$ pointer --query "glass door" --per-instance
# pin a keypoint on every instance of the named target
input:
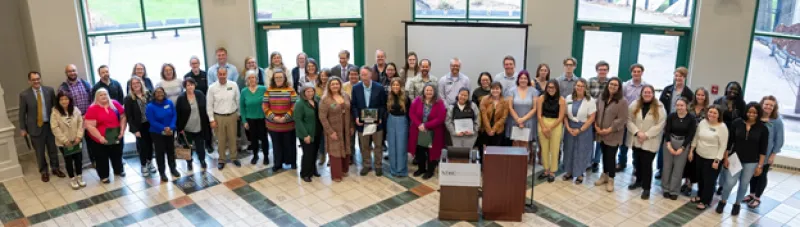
(659, 50)
(319, 40)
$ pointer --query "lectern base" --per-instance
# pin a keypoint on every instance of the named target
(531, 208)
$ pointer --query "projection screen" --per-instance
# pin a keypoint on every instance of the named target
(479, 46)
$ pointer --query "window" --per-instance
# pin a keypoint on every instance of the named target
(469, 10)
(271, 10)
(674, 13)
(121, 33)
(774, 68)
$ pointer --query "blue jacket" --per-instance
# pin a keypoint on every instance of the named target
(161, 114)
(377, 100)
(775, 127)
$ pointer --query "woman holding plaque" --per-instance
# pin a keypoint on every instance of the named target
(426, 134)
(105, 121)
(463, 120)
(578, 139)
(521, 105)
(337, 123)
(67, 125)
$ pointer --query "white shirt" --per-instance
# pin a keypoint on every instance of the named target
(173, 88)
(222, 99)
(709, 141)
(587, 108)
(509, 83)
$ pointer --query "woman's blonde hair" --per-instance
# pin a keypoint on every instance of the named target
(401, 97)
(774, 114)
(327, 92)
(653, 103)
(145, 92)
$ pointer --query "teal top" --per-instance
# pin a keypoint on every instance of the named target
(250, 104)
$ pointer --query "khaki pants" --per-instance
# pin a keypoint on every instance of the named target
(367, 151)
(226, 134)
(550, 146)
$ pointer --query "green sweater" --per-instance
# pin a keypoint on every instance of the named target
(305, 119)
(250, 104)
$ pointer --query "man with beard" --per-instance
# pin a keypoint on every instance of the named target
(414, 86)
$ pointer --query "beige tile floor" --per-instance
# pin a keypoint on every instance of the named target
(324, 202)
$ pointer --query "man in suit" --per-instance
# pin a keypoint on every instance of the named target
(35, 105)
(299, 71)
(369, 95)
(342, 69)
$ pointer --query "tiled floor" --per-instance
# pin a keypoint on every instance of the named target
(255, 196)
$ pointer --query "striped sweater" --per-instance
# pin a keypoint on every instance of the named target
(279, 102)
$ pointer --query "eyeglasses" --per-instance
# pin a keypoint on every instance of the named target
(569, 65)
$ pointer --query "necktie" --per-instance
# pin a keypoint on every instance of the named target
(39, 117)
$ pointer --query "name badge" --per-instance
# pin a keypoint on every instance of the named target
(713, 129)
(166, 107)
(450, 83)
(230, 88)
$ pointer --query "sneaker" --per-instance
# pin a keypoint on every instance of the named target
(152, 167)
(80, 181)
(74, 183)
(145, 172)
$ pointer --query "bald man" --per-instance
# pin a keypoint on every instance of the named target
(77, 88)
(379, 69)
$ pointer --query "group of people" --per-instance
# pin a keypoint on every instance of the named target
(410, 111)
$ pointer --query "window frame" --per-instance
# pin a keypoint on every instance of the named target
(753, 33)
(467, 19)
(88, 35)
(577, 34)
(262, 55)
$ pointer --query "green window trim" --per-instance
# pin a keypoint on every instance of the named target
(358, 55)
(467, 18)
(88, 35)
(753, 34)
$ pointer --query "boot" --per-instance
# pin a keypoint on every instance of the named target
(80, 181)
(189, 165)
(610, 185)
(74, 183)
(603, 179)
(431, 170)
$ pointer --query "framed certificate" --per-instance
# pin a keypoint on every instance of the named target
(369, 115)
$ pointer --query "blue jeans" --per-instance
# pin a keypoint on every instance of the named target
(397, 136)
(598, 153)
(742, 177)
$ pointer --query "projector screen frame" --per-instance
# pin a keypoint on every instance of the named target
(470, 24)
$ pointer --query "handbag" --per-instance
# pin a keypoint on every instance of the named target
(183, 151)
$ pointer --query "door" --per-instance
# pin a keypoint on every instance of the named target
(660, 50)
(319, 40)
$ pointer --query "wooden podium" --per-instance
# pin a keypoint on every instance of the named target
(459, 180)
(504, 176)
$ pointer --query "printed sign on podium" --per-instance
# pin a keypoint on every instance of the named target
(460, 174)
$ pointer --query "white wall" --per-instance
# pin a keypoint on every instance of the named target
(383, 29)
(14, 57)
(721, 40)
(550, 34)
(229, 24)
(58, 39)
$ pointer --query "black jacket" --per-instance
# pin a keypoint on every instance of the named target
(184, 110)
(114, 90)
(738, 104)
(296, 78)
(134, 114)
(201, 79)
(666, 96)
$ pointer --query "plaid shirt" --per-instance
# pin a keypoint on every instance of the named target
(596, 87)
(79, 95)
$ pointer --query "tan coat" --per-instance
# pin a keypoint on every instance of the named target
(66, 128)
(652, 128)
(336, 118)
(615, 116)
(500, 114)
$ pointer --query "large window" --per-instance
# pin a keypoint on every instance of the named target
(319, 28)
(774, 68)
(121, 33)
(469, 10)
(654, 33)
